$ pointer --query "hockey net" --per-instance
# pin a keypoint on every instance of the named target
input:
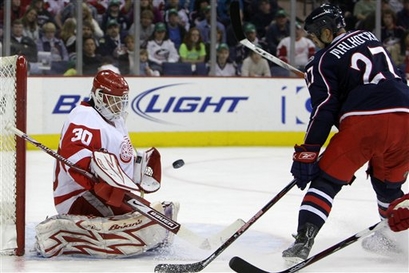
(13, 93)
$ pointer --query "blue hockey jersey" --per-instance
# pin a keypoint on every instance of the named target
(354, 75)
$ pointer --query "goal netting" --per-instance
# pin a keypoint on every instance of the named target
(13, 94)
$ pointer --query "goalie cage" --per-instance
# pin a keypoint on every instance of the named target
(13, 105)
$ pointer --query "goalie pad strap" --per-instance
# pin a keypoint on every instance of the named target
(97, 204)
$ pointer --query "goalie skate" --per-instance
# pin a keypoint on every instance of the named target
(171, 210)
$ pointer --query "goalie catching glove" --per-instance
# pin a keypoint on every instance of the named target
(398, 214)
(305, 165)
(148, 170)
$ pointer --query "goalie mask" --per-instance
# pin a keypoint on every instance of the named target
(110, 94)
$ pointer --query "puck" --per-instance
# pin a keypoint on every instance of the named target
(178, 163)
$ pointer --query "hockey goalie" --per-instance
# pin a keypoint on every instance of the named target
(93, 219)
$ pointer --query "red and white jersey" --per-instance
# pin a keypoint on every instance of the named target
(86, 131)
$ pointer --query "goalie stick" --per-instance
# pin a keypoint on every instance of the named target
(198, 266)
(241, 266)
(141, 205)
(238, 32)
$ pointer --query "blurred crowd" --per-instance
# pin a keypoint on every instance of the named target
(175, 35)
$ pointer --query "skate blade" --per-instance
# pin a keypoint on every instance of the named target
(290, 261)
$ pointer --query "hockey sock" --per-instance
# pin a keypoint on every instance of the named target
(317, 203)
(385, 194)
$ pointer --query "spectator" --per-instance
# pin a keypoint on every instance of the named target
(240, 52)
(255, 66)
(107, 63)
(114, 13)
(49, 43)
(395, 5)
(176, 31)
(219, 36)
(279, 29)
(91, 60)
(204, 26)
(304, 48)
(68, 36)
(112, 43)
(400, 53)
(20, 44)
(197, 13)
(145, 65)
(71, 69)
(192, 50)
(17, 11)
(181, 11)
(223, 12)
(148, 5)
(403, 15)
(70, 12)
(126, 60)
(87, 17)
(160, 48)
(43, 16)
(31, 28)
(390, 32)
(55, 6)
(263, 17)
(224, 67)
(363, 10)
(146, 27)
(88, 31)
(252, 6)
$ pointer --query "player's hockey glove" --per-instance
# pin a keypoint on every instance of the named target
(305, 165)
(398, 214)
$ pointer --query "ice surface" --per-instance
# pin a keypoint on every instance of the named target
(215, 187)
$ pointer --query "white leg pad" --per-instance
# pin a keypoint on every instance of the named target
(118, 236)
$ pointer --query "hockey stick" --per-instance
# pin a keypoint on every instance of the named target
(139, 203)
(242, 266)
(198, 266)
(238, 32)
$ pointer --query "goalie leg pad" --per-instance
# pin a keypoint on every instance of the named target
(114, 237)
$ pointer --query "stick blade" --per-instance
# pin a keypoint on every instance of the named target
(179, 268)
(235, 19)
(241, 266)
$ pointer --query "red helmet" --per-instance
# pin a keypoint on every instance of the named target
(111, 83)
(110, 94)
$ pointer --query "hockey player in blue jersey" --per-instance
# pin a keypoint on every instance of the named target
(355, 87)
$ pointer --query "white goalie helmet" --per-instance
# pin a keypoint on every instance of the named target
(110, 94)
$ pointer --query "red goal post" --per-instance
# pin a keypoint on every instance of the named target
(13, 110)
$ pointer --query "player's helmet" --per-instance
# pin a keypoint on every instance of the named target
(110, 94)
(326, 16)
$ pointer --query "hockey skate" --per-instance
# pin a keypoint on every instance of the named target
(171, 210)
(382, 242)
(301, 248)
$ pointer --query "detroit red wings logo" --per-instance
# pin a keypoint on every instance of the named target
(126, 151)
